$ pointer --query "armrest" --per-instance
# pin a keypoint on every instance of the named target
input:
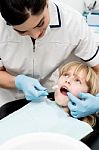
(12, 106)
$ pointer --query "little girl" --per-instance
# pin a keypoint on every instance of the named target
(76, 77)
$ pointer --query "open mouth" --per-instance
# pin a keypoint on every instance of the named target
(64, 90)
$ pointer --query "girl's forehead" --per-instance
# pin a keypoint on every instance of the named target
(76, 68)
(72, 68)
(77, 71)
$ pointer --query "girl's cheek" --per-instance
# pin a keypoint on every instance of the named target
(75, 91)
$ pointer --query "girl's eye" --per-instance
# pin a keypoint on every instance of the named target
(66, 75)
(78, 81)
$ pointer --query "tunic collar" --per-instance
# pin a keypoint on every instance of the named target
(55, 18)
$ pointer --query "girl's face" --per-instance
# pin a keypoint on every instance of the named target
(70, 82)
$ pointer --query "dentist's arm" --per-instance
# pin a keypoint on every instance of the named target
(83, 106)
(6, 80)
(30, 86)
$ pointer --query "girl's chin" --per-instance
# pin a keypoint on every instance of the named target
(61, 102)
(61, 99)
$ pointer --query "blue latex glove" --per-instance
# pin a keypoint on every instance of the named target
(86, 105)
(31, 87)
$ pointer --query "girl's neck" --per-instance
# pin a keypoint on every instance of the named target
(65, 108)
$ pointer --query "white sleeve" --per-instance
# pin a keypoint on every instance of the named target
(1, 64)
(87, 48)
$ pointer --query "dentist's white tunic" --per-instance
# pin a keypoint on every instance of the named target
(67, 33)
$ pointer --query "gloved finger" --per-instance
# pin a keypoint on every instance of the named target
(42, 93)
(32, 98)
(97, 95)
(36, 93)
(74, 114)
(33, 92)
(84, 95)
(71, 106)
(73, 99)
(38, 86)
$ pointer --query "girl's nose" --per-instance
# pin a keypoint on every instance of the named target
(67, 81)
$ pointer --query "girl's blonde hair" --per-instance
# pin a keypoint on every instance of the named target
(91, 78)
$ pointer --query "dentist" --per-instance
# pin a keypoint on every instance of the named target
(37, 37)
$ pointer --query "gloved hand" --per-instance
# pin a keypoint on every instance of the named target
(31, 87)
(86, 105)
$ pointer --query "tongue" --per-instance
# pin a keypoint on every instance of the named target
(64, 93)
